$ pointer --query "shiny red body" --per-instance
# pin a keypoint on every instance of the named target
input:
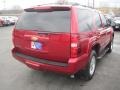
(57, 47)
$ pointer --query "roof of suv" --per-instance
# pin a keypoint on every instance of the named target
(46, 6)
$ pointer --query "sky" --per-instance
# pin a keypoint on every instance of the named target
(8, 4)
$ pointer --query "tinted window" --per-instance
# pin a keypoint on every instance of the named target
(55, 21)
(104, 22)
(97, 20)
(85, 20)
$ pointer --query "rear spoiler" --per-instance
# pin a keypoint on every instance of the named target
(47, 9)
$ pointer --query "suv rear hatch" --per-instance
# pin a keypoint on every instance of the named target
(44, 33)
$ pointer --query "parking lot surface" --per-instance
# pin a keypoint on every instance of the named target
(16, 76)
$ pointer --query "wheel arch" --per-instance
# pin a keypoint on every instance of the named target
(93, 45)
(96, 47)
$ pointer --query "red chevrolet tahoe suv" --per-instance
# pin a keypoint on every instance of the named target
(62, 38)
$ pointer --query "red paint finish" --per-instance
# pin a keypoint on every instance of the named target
(72, 48)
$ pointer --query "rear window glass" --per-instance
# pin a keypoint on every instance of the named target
(55, 21)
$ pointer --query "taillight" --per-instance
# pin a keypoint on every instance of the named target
(74, 45)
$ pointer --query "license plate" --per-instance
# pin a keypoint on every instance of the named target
(36, 45)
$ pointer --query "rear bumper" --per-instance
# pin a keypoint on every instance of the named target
(73, 65)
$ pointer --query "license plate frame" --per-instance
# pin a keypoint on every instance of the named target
(36, 45)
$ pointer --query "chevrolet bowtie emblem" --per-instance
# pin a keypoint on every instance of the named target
(34, 38)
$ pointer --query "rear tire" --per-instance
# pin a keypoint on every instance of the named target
(110, 46)
(91, 67)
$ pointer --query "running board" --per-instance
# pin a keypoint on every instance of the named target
(103, 54)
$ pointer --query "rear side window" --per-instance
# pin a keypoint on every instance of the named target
(54, 21)
(104, 21)
(97, 20)
(85, 20)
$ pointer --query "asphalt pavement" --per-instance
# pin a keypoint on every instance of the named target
(16, 76)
